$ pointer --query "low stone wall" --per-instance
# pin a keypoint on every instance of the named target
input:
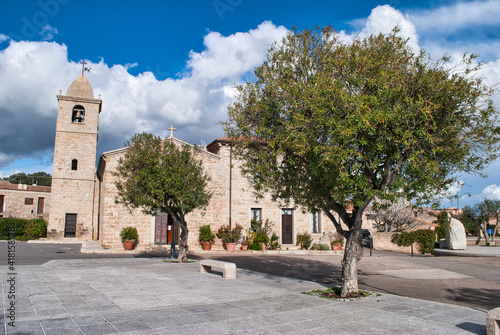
(382, 241)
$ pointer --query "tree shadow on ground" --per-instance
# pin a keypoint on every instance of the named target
(292, 267)
(474, 328)
(475, 297)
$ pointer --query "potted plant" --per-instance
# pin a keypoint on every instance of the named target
(245, 243)
(262, 239)
(273, 244)
(129, 236)
(230, 236)
(338, 243)
(304, 240)
(206, 237)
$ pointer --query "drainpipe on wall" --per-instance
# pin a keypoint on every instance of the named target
(230, 180)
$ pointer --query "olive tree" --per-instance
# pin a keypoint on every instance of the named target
(329, 124)
(159, 176)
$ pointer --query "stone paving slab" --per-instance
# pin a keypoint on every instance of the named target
(149, 296)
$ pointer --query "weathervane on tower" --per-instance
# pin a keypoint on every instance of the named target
(84, 68)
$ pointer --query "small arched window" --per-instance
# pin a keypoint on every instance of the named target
(78, 114)
(74, 165)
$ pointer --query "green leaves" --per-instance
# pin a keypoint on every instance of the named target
(360, 120)
(157, 175)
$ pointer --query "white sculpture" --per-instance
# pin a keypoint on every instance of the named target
(455, 234)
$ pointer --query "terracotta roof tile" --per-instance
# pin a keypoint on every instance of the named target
(5, 185)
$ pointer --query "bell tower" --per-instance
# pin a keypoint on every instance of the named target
(73, 172)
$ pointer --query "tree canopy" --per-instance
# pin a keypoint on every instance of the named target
(159, 176)
(480, 215)
(38, 178)
(330, 124)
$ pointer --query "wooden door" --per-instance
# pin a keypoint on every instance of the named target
(41, 205)
(70, 225)
(161, 229)
(286, 226)
(172, 231)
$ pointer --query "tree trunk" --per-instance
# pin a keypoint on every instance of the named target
(352, 255)
(183, 245)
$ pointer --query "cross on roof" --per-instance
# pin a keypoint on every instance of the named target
(83, 66)
(172, 129)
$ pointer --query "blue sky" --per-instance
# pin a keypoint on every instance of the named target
(162, 62)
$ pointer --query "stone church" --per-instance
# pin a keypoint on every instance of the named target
(82, 202)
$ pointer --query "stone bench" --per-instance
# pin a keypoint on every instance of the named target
(493, 322)
(228, 269)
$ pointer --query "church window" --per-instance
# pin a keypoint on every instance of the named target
(256, 214)
(315, 221)
(78, 115)
(74, 165)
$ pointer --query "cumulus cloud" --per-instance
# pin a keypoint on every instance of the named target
(32, 73)
(3, 38)
(382, 20)
(491, 192)
(459, 16)
(48, 33)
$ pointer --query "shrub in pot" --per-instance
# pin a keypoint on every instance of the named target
(206, 237)
(129, 236)
(229, 236)
(304, 240)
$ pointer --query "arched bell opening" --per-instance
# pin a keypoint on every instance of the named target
(78, 115)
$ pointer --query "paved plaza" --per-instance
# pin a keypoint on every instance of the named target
(149, 296)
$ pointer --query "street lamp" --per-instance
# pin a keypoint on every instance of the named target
(457, 196)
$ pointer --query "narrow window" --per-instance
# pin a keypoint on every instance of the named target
(78, 114)
(256, 214)
(74, 165)
(28, 201)
(1, 203)
(315, 223)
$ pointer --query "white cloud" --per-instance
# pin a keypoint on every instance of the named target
(233, 56)
(458, 16)
(383, 19)
(32, 73)
(3, 38)
(48, 33)
(491, 192)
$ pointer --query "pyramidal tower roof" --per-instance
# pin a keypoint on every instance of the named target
(80, 88)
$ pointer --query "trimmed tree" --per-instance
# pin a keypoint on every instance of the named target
(329, 124)
(159, 176)
(480, 215)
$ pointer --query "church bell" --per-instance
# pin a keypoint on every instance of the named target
(78, 116)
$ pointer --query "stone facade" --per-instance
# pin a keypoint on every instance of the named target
(232, 200)
(73, 174)
(89, 198)
(24, 201)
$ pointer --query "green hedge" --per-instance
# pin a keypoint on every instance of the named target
(424, 237)
(23, 229)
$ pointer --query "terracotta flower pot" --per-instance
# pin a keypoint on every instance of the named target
(128, 245)
(230, 246)
(244, 247)
(206, 246)
(336, 246)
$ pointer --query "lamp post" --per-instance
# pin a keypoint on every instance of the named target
(172, 246)
(457, 196)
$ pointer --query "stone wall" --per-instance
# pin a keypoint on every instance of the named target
(382, 241)
(219, 165)
(23, 203)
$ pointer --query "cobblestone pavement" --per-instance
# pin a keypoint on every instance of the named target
(149, 296)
